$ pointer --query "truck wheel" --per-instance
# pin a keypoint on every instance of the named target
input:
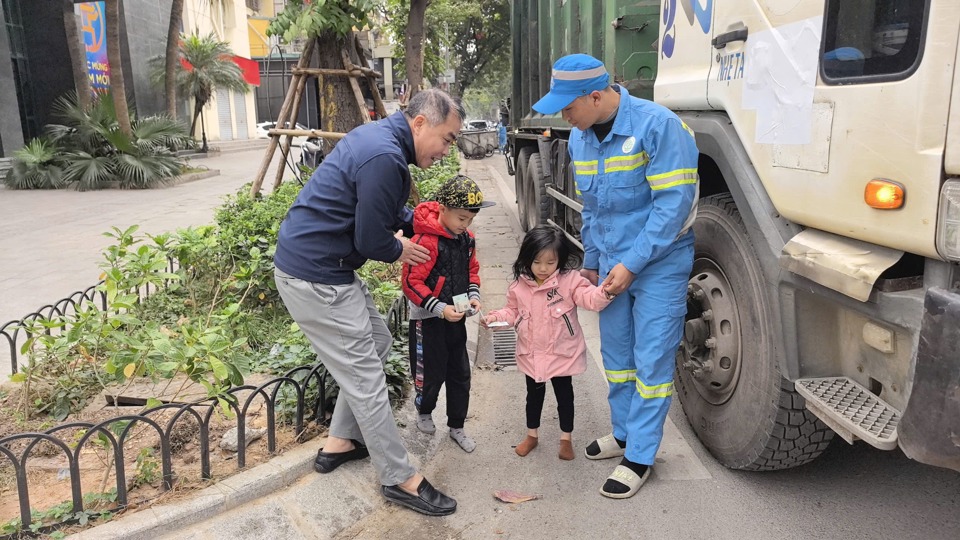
(519, 179)
(728, 376)
(535, 207)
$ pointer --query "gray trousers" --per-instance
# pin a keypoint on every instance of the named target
(352, 341)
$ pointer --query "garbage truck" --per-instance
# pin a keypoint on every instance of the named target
(825, 294)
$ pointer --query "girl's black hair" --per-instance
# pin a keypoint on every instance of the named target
(539, 239)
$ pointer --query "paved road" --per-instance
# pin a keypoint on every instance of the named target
(52, 240)
(850, 492)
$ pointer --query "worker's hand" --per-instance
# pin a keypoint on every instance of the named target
(592, 276)
(451, 314)
(617, 280)
(413, 254)
(475, 306)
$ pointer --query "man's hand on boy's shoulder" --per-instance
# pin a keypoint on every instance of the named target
(412, 254)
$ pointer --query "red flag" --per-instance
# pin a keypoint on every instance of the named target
(250, 69)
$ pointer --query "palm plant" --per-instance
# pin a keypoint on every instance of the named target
(35, 166)
(205, 66)
(95, 150)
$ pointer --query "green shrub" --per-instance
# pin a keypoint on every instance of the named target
(428, 181)
(216, 318)
(89, 151)
(36, 166)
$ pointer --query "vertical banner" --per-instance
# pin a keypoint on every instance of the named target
(93, 25)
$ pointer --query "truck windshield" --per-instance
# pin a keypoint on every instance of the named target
(872, 40)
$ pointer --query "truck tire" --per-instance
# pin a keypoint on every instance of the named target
(519, 179)
(535, 208)
(728, 377)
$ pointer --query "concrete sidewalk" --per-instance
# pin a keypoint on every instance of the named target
(52, 240)
(286, 499)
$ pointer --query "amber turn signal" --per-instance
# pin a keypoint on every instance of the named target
(883, 194)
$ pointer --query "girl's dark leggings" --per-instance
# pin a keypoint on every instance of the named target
(562, 389)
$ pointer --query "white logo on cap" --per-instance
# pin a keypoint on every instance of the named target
(628, 144)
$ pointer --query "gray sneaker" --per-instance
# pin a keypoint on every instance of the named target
(425, 423)
(465, 441)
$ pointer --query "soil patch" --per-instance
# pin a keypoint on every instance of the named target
(48, 471)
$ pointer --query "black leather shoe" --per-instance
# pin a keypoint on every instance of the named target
(429, 501)
(329, 462)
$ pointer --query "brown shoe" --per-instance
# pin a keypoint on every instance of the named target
(526, 446)
(566, 449)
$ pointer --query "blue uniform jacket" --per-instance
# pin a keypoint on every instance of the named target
(353, 204)
(639, 186)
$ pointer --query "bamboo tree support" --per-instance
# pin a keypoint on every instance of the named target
(291, 105)
(305, 57)
(372, 77)
(294, 112)
(364, 116)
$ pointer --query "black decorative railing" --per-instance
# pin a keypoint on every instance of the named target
(307, 385)
(17, 332)
(71, 439)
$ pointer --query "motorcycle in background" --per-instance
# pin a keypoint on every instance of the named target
(312, 152)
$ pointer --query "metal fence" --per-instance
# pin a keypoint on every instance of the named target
(71, 439)
(16, 332)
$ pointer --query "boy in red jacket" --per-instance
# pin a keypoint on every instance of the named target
(442, 292)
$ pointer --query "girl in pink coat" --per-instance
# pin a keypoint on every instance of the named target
(542, 307)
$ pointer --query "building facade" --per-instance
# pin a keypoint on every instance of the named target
(35, 67)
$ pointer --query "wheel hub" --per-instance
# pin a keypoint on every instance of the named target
(711, 336)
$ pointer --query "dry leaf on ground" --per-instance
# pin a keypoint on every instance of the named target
(510, 496)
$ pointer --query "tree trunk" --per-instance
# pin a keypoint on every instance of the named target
(78, 57)
(117, 87)
(172, 56)
(339, 110)
(414, 45)
(196, 114)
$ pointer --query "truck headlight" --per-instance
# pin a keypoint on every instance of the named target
(948, 221)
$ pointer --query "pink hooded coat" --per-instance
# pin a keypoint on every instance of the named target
(550, 341)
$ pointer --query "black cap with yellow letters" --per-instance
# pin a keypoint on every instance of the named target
(462, 192)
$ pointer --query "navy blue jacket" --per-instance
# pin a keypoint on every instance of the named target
(352, 206)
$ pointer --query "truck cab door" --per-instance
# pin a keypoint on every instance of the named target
(685, 53)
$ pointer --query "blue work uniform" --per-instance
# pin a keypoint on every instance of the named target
(640, 190)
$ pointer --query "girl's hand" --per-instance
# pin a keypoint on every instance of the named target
(491, 322)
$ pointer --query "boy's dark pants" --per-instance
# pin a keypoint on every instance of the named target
(438, 356)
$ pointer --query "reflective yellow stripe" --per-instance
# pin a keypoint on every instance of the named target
(690, 131)
(672, 178)
(626, 375)
(651, 392)
(586, 167)
(625, 163)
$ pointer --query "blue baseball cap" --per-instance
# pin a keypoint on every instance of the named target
(574, 75)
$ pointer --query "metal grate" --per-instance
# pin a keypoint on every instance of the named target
(504, 347)
(865, 416)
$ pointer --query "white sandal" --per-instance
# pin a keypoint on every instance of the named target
(609, 448)
(623, 475)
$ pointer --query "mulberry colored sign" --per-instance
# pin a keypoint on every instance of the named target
(93, 25)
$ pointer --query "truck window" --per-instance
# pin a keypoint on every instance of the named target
(872, 40)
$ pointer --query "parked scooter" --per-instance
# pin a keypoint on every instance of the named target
(312, 153)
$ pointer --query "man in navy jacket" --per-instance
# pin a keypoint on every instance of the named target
(354, 209)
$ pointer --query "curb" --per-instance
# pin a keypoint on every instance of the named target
(193, 177)
(263, 480)
(237, 490)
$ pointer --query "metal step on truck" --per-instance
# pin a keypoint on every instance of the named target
(824, 296)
